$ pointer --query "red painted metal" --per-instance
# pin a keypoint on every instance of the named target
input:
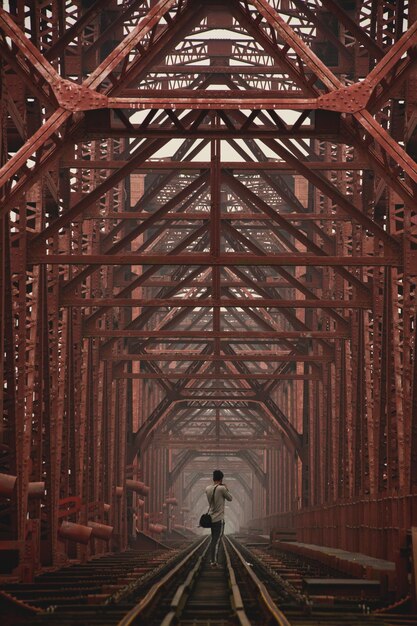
(7, 484)
(101, 531)
(75, 532)
(244, 293)
(228, 259)
(137, 486)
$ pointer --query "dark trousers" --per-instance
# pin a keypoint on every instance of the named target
(216, 534)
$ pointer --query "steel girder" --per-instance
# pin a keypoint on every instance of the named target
(205, 235)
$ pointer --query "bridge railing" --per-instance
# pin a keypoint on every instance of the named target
(378, 527)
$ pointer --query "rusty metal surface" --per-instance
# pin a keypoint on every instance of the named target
(248, 586)
(208, 245)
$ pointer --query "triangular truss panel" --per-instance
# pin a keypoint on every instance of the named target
(209, 254)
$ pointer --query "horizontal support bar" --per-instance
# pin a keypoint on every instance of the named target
(235, 394)
(180, 356)
(185, 166)
(230, 217)
(216, 69)
(192, 259)
(242, 303)
(208, 282)
(236, 342)
(243, 335)
(224, 446)
(214, 100)
(302, 132)
(219, 376)
(214, 389)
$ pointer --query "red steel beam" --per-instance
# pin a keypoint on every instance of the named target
(185, 166)
(220, 376)
(93, 80)
(222, 302)
(244, 335)
(208, 358)
(354, 397)
(231, 217)
(388, 260)
(233, 444)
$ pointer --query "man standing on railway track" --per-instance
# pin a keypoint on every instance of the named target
(217, 493)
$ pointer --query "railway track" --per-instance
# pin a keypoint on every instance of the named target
(243, 592)
(90, 593)
(250, 587)
(228, 595)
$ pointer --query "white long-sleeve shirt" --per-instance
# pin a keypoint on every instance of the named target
(217, 506)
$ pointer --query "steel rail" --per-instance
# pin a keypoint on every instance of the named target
(183, 591)
(236, 598)
(135, 615)
(139, 614)
(181, 595)
(265, 599)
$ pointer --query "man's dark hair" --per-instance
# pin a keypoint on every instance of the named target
(218, 475)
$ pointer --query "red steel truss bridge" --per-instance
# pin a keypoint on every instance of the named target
(208, 259)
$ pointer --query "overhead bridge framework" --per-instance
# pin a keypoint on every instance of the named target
(208, 258)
